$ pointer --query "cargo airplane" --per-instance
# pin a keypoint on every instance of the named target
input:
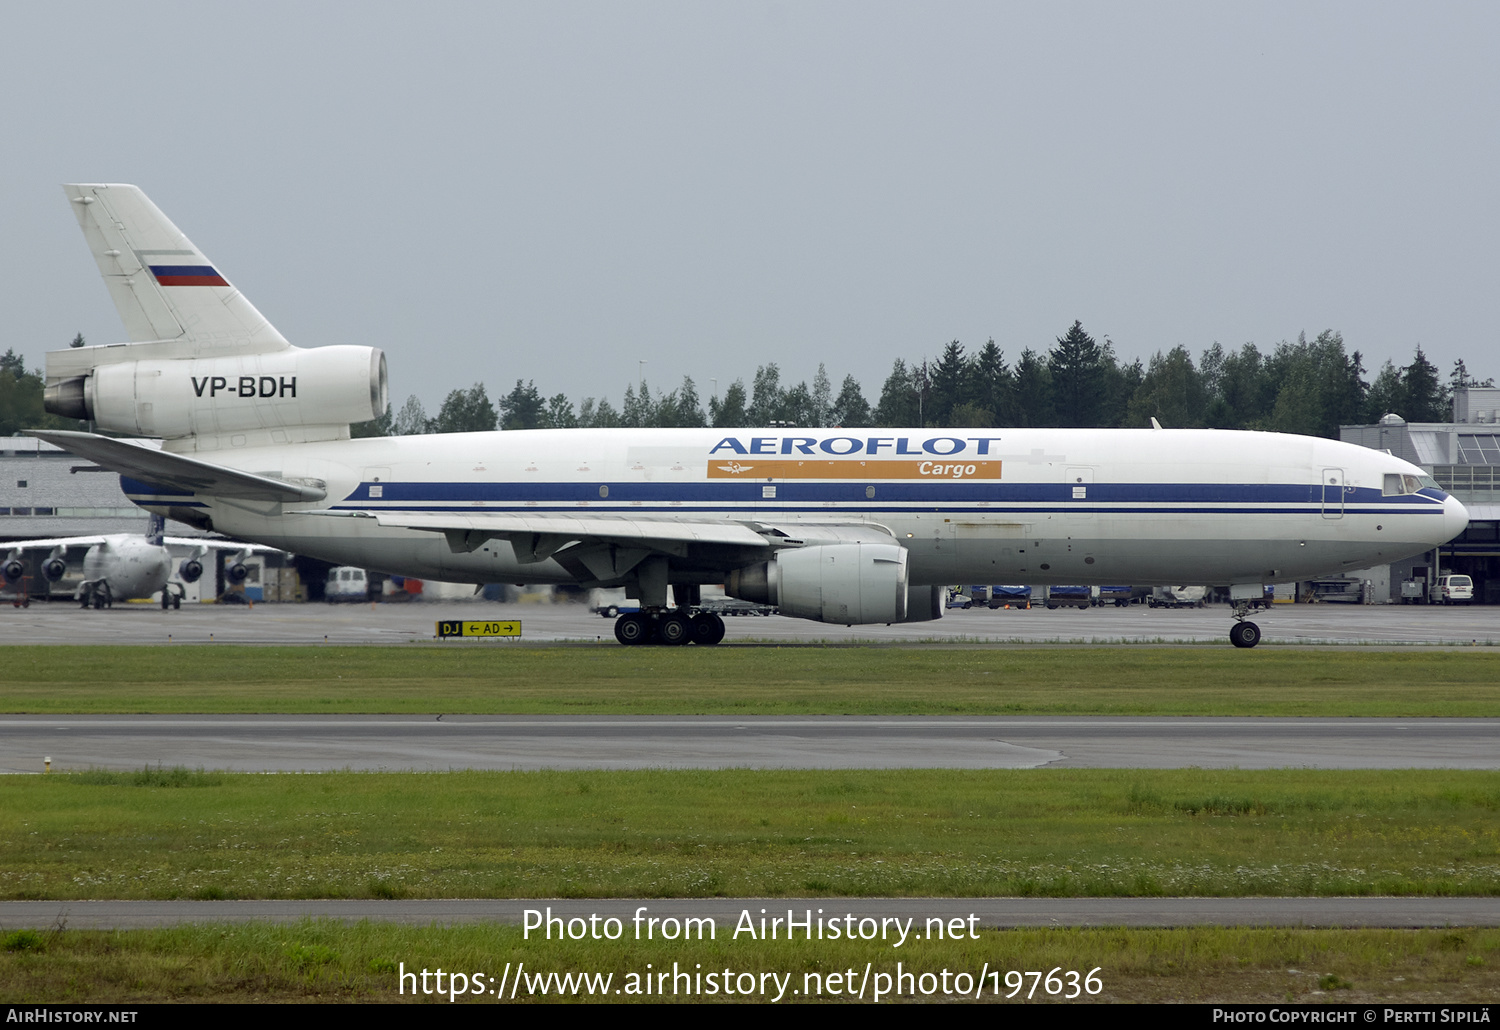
(846, 526)
(126, 566)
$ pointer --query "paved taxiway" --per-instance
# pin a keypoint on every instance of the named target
(276, 743)
(988, 912)
(313, 742)
(413, 623)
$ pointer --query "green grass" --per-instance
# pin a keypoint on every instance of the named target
(797, 680)
(327, 961)
(952, 833)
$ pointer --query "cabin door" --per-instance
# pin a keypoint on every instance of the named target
(1333, 493)
(1078, 493)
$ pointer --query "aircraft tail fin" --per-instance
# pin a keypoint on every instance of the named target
(164, 287)
(202, 362)
(156, 528)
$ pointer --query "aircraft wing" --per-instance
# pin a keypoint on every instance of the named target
(9, 546)
(537, 537)
(179, 471)
(214, 544)
(609, 545)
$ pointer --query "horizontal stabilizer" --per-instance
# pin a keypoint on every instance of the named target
(179, 471)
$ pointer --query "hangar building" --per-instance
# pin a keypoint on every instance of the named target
(1464, 457)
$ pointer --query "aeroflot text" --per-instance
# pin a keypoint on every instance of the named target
(942, 446)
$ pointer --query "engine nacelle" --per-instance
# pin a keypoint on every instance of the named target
(843, 583)
(924, 604)
(190, 571)
(12, 570)
(173, 397)
(236, 573)
(54, 569)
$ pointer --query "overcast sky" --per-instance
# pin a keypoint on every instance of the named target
(557, 191)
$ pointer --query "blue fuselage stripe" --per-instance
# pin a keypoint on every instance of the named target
(926, 492)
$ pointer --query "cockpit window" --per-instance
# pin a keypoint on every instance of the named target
(1396, 484)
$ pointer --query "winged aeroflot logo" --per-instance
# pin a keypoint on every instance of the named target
(734, 468)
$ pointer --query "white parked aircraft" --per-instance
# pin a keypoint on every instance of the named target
(839, 525)
(125, 566)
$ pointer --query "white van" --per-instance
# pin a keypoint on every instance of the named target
(346, 583)
(1455, 589)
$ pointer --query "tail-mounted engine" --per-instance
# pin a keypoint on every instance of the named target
(174, 397)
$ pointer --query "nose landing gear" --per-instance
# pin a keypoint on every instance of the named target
(1243, 633)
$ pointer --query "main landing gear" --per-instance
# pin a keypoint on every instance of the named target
(1243, 633)
(669, 626)
(97, 594)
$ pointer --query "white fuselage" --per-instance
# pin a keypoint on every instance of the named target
(130, 565)
(973, 506)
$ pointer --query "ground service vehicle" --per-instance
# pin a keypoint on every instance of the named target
(1455, 589)
(1069, 597)
(1179, 597)
(346, 583)
(1010, 597)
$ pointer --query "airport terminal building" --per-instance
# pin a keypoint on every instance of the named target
(1464, 457)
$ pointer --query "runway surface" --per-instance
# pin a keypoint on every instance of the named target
(315, 743)
(277, 743)
(414, 623)
(995, 913)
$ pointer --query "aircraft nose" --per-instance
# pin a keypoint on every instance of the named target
(1455, 518)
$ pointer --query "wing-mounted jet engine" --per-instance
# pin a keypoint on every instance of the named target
(850, 584)
(53, 567)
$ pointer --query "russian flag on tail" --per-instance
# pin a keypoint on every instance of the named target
(187, 275)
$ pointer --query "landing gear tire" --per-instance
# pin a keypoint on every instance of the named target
(1244, 634)
(708, 628)
(634, 628)
(166, 600)
(674, 629)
